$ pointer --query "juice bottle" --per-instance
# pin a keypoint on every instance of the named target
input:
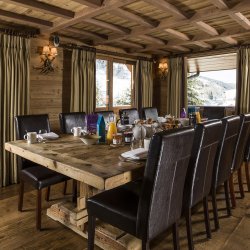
(111, 131)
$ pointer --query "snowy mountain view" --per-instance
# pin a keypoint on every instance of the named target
(213, 88)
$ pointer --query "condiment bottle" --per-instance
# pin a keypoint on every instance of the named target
(101, 128)
(111, 131)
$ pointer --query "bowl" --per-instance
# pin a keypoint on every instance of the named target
(184, 121)
(90, 139)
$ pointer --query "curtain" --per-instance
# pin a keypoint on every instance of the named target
(177, 86)
(14, 94)
(243, 81)
(83, 81)
(143, 84)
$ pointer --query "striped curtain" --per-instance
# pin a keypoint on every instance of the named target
(243, 81)
(83, 81)
(14, 96)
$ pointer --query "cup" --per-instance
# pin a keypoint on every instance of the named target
(76, 131)
(31, 137)
(146, 143)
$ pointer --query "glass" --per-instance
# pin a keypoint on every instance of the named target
(122, 84)
(101, 83)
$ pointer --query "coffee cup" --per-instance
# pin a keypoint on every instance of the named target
(76, 131)
(146, 143)
(31, 137)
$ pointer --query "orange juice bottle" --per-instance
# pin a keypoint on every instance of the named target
(198, 117)
(112, 130)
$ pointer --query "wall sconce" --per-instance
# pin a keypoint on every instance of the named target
(48, 55)
(163, 70)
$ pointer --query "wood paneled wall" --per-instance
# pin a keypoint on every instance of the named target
(46, 89)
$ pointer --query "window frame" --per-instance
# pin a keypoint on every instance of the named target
(109, 85)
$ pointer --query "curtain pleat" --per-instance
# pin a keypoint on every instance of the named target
(14, 93)
(143, 84)
(83, 81)
(176, 86)
(243, 81)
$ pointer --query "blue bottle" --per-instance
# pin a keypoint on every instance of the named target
(101, 128)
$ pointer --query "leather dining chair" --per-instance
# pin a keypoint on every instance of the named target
(70, 120)
(247, 161)
(38, 176)
(238, 158)
(133, 114)
(223, 162)
(105, 114)
(199, 173)
(147, 208)
(150, 113)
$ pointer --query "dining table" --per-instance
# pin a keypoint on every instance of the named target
(97, 168)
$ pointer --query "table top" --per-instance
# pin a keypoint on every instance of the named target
(96, 165)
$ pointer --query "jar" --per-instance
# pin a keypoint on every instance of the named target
(128, 137)
(117, 139)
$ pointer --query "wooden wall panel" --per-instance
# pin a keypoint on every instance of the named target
(45, 89)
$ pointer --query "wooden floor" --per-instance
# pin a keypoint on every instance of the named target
(17, 229)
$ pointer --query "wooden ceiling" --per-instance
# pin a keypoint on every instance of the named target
(146, 26)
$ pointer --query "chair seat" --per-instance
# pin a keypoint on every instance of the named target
(41, 177)
(117, 206)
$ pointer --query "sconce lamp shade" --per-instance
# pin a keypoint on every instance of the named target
(163, 66)
(46, 50)
(53, 51)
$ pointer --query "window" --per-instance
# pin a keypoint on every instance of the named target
(215, 84)
(114, 84)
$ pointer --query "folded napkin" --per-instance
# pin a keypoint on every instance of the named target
(136, 154)
(49, 136)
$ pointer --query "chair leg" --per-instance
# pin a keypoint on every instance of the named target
(74, 191)
(247, 176)
(20, 198)
(227, 198)
(232, 194)
(39, 209)
(241, 188)
(145, 245)
(215, 210)
(189, 229)
(91, 232)
(47, 193)
(206, 216)
(65, 188)
(175, 232)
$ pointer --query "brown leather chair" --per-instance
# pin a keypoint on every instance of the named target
(146, 209)
(238, 158)
(150, 113)
(70, 120)
(247, 161)
(38, 176)
(199, 174)
(132, 113)
(223, 162)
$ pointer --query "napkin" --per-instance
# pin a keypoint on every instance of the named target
(49, 136)
(136, 154)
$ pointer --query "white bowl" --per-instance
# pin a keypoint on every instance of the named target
(90, 139)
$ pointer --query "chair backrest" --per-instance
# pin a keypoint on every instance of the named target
(225, 151)
(164, 177)
(200, 169)
(213, 112)
(132, 113)
(150, 113)
(70, 120)
(31, 123)
(247, 151)
(241, 141)
(105, 114)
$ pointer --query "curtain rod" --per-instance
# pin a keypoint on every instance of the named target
(25, 34)
(105, 52)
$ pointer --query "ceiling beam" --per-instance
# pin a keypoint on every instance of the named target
(241, 19)
(220, 4)
(87, 33)
(177, 34)
(179, 48)
(229, 40)
(203, 44)
(135, 18)
(163, 5)
(131, 44)
(43, 7)
(153, 39)
(26, 19)
(108, 26)
(207, 28)
(90, 3)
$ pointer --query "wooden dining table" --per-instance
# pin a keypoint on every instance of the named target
(96, 168)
